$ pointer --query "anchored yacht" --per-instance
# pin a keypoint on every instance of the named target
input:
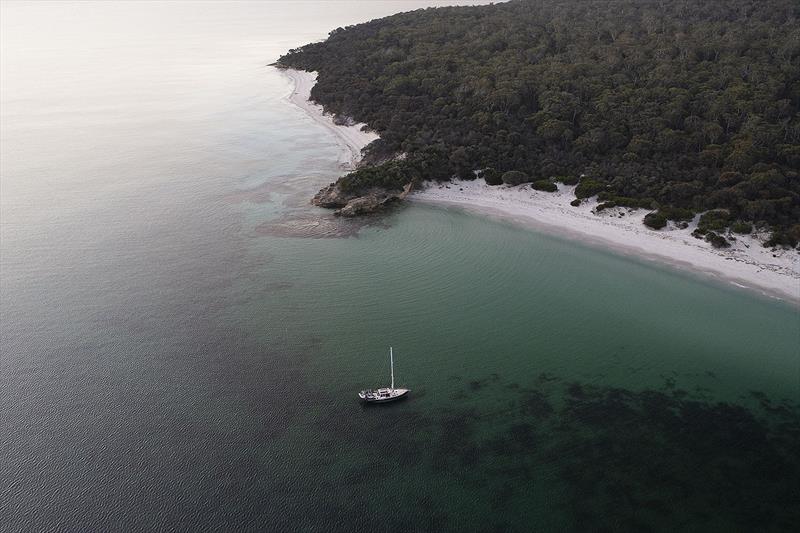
(384, 395)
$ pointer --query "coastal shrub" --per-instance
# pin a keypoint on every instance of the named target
(568, 180)
(655, 220)
(742, 228)
(544, 185)
(714, 220)
(392, 176)
(605, 196)
(515, 177)
(717, 241)
(604, 205)
(794, 233)
(576, 202)
(625, 201)
(789, 238)
(588, 188)
(677, 213)
(492, 176)
(704, 121)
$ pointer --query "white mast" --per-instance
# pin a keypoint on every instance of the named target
(391, 363)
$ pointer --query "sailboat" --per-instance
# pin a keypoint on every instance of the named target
(384, 395)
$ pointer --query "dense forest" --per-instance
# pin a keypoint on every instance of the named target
(675, 106)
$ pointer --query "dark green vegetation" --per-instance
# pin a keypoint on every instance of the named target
(691, 105)
(544, 185)
(655, 220)
(515, 177)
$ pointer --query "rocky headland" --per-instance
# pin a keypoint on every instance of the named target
(349, 204)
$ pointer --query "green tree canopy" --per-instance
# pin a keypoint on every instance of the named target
(694, 105)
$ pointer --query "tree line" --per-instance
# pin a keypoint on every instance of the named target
(676, 106)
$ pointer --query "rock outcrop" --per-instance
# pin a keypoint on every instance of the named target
(369, 203)
(342, 120)
(354, 205)
(331, 197)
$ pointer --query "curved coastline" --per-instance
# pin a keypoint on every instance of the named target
(351, 139)
(747, 264)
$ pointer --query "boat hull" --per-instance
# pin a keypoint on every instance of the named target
(393, 396)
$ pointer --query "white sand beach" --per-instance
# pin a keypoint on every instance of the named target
(745, 264)
(352, 139)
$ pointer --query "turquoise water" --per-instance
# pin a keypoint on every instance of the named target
(182, 335)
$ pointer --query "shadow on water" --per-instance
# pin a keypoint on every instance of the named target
(597, 458)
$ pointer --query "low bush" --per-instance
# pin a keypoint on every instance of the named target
(568, 180)
(655, 220)
(544, 185)
(625, 201)
(515, 177)
(714, 220)
(717, 241)
(588, 188)
(790, 237)
(742, 228)
(492, 176)
(677, 213)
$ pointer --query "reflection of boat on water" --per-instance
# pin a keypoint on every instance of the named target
(383, 395)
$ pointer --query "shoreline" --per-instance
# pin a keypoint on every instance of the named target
(351, 139)
(746, 264)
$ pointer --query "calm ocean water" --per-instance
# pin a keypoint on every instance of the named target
(182, 336)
